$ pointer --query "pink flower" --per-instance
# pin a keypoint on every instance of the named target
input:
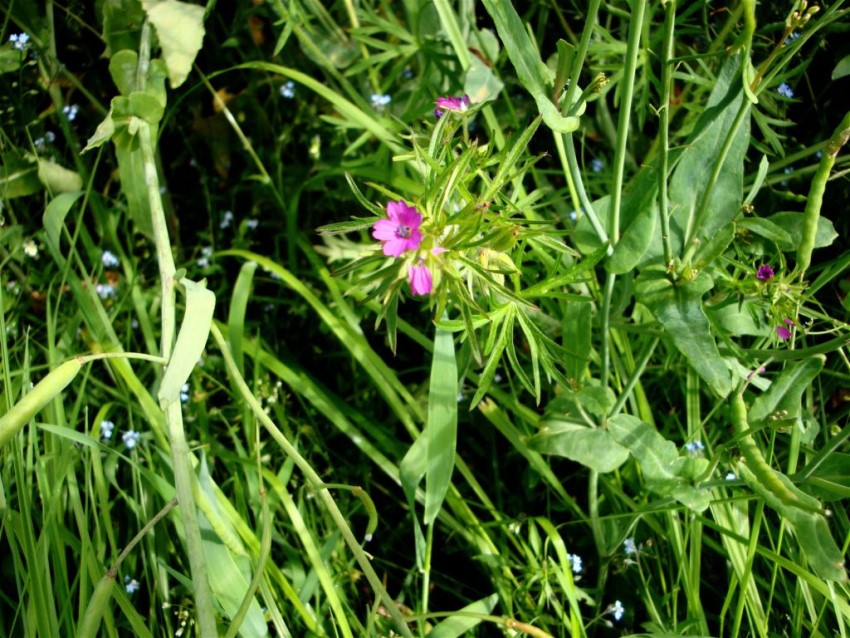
(765, 272)
(420, 280)
(783, 332)
(444, 104)
(401, 231)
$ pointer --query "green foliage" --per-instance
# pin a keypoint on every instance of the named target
(604, 394)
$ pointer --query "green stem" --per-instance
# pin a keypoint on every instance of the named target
(316, 483)
(183, 477)
(578, 61)
(627, 95)
(160, 235)
(664, 125)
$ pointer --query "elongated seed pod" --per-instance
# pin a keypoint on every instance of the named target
(776, 483)
(815, 199)
(46, 389)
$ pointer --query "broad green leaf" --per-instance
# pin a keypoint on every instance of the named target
(191, 340)
(678, 308)
(122, 25)
(131, 170)
(10, 59)
(786, 391)
(699, 210)
(592, 447)
(104, 132)
(595, 400)
(566, 53)
(229, 573)
(666, 473)
(792, 224)
(146, 106)
(54, 216)
(123, 67)
(58, 179)
(18, 177)
(441, 430)
(716, 245)
(811, 529)
(831, 480)
(739, 319)
(841, 69)
(634, 241)
(456, 626)
(532, 72)
(180, 29)
(765, 228)
(480, 83)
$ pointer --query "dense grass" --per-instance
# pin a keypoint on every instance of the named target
(616, 406)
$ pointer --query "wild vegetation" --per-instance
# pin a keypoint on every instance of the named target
(424, 318)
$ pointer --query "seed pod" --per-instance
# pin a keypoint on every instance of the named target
(775, 483)
(25, 409)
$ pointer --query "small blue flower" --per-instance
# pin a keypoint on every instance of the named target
(20, 41)
(617, 610)
(287, 90)
(106, 428)
(379, 100)
(184, 393)
(792, 37)
(206, 253)
(596, 165)
(819, 154)
(70, 111)
(629, 546)
(109, 260)
(131, 438)
(252, 224)
(105, 291)
(785, 91)
(575, 563)
(131, 585)
(226, 220)
(695, 448)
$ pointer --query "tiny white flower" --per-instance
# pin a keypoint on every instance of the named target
(104, 291)
(379, 100)
(731, 476)
(629, 546)
(226, 220)
(695, 447)
(184, 393)
(109, 260)
(70, 111)
(252, 224)
(575, 563)
(106, 428)
(287, 90)
(30, 248)
(20, 41)
(131, 438)
(131, 586)
(617, 610)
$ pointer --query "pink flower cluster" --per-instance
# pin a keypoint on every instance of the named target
(400, 233)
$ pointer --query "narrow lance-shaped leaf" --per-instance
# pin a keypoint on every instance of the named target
(441, 431)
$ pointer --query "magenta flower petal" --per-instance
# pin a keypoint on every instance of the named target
(400, 232)
(783, 333)
(444, 104)
(420, 280)
(765, 272)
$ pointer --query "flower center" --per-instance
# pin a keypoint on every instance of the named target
(403, 232)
